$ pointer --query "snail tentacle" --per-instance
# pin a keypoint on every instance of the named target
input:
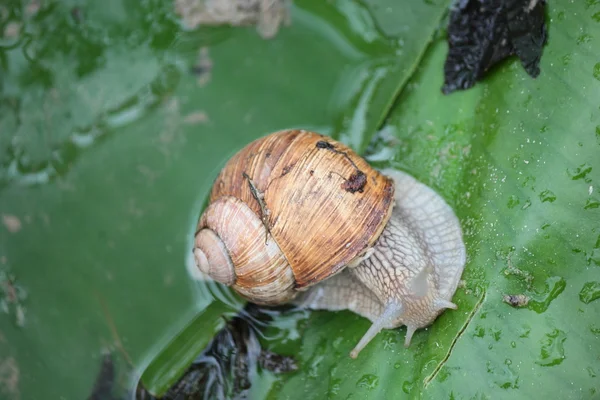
(391, 313)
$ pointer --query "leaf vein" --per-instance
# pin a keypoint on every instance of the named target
(455, 340)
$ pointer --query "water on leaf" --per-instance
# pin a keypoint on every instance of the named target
(589, 292)
(552, 351)
(547, 196)
(368, 381)
(595, 256)
(540, 301)
(513, 201)
(591, 203)
(407, 386)
(597, 67)
(579, 172)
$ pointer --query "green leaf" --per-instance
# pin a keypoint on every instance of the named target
(114, 139)
(396, 44)
(180, 352)
(517, 159)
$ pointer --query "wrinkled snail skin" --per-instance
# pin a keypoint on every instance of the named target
(298, 217)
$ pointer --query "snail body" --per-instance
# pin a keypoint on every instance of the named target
(297, 217)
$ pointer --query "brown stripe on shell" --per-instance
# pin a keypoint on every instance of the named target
(257, 160)
(320, 226)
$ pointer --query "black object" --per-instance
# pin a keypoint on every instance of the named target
(481, 33)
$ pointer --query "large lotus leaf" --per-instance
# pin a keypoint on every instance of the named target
(114, 121)
(518, 160)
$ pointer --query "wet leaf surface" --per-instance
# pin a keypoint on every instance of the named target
(119, 119)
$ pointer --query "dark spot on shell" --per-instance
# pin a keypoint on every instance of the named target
(356, 182)
(312, 172)
(322, 144)
(268, 154)
(286, 169)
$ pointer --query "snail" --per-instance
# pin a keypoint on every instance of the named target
(298, 217)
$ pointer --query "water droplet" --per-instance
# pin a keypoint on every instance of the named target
(591, 203)
(397, 365)
(513, 201)
(547, 196)
(579, 172)
(526, 205)
(598, 131)
(479, 332)
(595, 256)
(496, 334)
(552, 351)
(540, 302)
(595, 330)
(503, 375)
(591, 372)
(560, 16)
(566, 59)
(596, 17)
(525, 333)
(368, 381)
(334, 387)
(590, 292)
(390, 339)
(407, 386)
(584, 38)
(597, 71)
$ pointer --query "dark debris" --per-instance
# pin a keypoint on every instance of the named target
(276, 363)
(356, 182)
(481, 33)
(516, 300)
(225, 368)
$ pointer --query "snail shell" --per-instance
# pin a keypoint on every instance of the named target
(298, 217)
(290, 210)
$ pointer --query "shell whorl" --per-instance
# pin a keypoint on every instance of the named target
(213, 258)
(260, 270)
